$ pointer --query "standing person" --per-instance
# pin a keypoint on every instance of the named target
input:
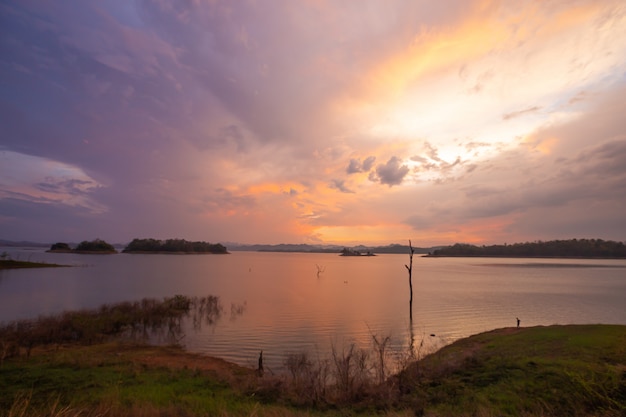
(517, 322)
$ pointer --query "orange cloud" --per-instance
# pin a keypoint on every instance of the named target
(275, 188)
(478, 232)
(543, 145)
(435, 50)
(358, 234)
(568, 18)
(491, 27)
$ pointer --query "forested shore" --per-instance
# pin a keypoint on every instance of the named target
(573, 248)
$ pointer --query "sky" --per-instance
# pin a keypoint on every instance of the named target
(314, 121)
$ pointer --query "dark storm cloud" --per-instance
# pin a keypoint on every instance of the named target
(91, 85)
(77, 106)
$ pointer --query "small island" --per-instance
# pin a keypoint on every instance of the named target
(353, 252)
(96, 246)
(177, 246)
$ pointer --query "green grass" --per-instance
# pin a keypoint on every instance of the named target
(114, 377)
(118, 379)
(555, 370)
(539, 371)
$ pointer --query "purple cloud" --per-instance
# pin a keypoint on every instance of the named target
(392, 173)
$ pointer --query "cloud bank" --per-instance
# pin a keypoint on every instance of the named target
(472, 121)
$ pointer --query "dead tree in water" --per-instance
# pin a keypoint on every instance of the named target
(320, 270)
(260, 369)
(409, 268)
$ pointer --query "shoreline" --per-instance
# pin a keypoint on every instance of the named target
(522, 257)
(148, 252)
(13, 264)
(531, 371)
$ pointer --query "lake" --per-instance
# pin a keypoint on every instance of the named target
(288, 307)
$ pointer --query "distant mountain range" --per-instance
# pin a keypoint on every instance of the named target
(30, 244)
(393, 248)
(24, 243)
(284, 247)
(580, 248)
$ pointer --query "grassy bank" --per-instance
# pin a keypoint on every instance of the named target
(539, 371)
(13, 264)
(117, 379)
(556, 370)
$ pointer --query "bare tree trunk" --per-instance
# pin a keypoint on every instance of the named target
(409, 268)
(260, 370)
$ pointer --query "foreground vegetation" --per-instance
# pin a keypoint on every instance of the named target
(573, 248)
(96, 363)
(139, 320)
(576, 370)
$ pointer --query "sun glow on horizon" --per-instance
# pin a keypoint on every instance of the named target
(362, 234)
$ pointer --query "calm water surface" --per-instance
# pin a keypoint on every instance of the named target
(289, 308)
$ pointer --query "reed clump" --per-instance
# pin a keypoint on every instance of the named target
(358, 377)
(145, 319)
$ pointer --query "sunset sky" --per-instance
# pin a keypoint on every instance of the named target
(338, 121)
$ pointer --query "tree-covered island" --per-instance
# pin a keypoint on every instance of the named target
(572, 248)
(173, 246)
(96, 246)
(353, 252)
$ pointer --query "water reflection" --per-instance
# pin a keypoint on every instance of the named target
(552, 265)
(278, 303)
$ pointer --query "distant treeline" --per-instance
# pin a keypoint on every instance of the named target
(573, 248)
(173, 246)
(393, 248)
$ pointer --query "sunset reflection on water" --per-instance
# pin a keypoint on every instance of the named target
(287, 307)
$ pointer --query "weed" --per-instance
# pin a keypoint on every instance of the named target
(148, 318)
